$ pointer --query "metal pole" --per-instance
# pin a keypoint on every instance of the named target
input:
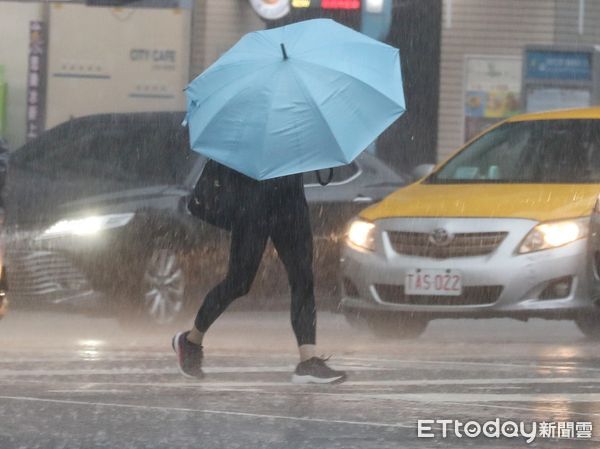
(448, 13)
(581, 15)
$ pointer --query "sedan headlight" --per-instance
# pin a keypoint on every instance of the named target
(87, 226)
(361, 233)
(555, 234)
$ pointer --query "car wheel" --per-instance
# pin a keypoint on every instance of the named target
(398, 326)
(3, 291)
(589, 325)
(159, 296)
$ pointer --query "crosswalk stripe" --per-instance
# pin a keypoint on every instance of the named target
(208, 412)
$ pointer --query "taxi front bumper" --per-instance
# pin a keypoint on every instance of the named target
(553, 283)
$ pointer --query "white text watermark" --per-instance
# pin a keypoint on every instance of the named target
(497, 428)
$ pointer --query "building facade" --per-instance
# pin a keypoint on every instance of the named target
(100, 59)
(65, 59)
(482, 48)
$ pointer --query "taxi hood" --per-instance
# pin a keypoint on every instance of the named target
(541, 202)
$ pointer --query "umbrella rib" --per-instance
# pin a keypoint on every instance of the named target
(244, 79)
(309, 99)
(215, 70)
(269, 110)
(344, 157)
(229, 102)
(322, 67)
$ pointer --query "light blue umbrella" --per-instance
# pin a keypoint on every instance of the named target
(307, 96)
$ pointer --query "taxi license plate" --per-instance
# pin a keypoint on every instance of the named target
(433, 282)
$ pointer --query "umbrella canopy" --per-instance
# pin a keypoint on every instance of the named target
(302, 97)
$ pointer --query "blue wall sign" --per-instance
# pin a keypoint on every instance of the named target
(559, 65)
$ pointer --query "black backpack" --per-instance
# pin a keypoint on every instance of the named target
(217, 194)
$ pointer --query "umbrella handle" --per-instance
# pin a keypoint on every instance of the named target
(329, 178)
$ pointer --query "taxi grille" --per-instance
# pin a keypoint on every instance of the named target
(471, 296)
(462, 245)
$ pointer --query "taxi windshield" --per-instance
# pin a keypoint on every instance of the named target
(539, 151)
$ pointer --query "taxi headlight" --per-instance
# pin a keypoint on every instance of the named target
(361, 233)
(87, 226)
(555, 234)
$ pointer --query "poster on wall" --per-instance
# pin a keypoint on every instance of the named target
(36, 79)
(492, 91)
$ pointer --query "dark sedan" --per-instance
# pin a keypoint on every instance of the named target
(97, 218)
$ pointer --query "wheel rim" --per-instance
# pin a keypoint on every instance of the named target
(164, 287)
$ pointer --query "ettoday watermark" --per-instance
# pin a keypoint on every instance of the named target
(497, 428)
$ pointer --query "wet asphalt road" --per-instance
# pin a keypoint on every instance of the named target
(75, 382)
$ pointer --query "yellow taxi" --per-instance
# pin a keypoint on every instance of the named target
(506, 227)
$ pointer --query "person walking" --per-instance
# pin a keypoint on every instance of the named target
(306, 96)
(277, 209)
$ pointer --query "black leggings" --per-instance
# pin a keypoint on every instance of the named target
(291, 235)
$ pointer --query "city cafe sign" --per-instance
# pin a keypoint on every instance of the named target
(154, 55)
(271, 9)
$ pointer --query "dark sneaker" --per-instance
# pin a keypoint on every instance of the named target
(315, 371)
(189, 356)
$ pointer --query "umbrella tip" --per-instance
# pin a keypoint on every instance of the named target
(285, 56)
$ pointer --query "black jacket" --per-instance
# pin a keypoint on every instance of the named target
(269, 199)
(223, 196)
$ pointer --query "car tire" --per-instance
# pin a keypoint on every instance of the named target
(3, 293)
(589, 325)
(160, 295)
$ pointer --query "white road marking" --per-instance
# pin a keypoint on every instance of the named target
(494, 365)
(476, 381)
(134, 371)
(552, 411)
(208, 412)
(83, 390)
(491, 382)
(107, 355)
(80, 372)
(397, 397)
(374, 364)
(483, 397)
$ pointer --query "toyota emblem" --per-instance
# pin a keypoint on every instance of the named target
(441, 237)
